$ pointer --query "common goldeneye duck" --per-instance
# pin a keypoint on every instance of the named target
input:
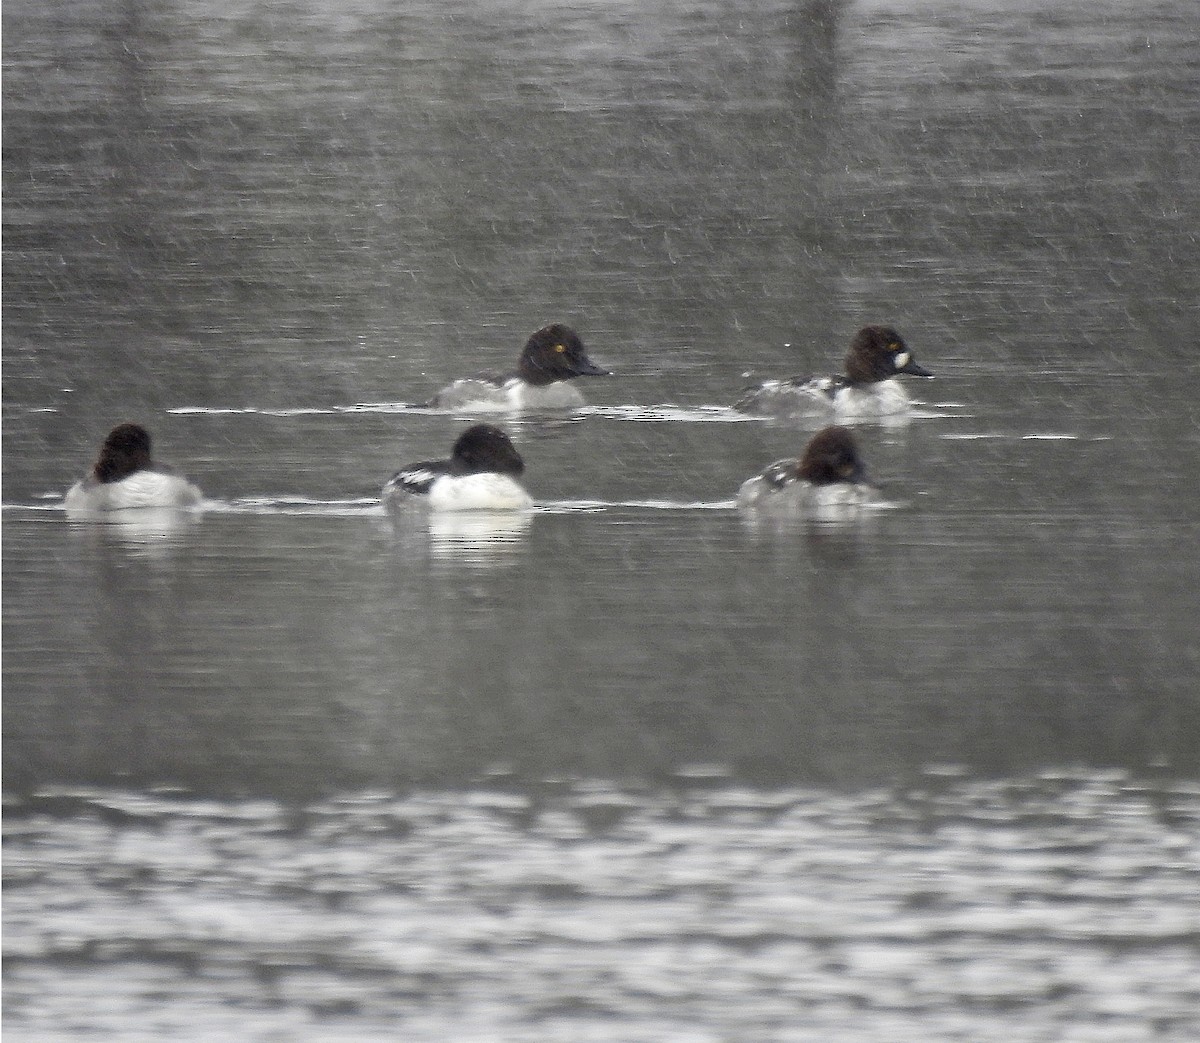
(830, 475)
(481, 475)
(551, 357)
(124, 476)
(866, 389)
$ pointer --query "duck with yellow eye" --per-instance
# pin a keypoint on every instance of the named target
(552, 357)
(867, 390)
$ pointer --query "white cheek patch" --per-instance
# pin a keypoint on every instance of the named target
(901, 360)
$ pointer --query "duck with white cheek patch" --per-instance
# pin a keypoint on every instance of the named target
(867, 389)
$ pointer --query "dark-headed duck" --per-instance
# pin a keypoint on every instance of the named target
(866, 390)
(829, 474)
(552, 357)
(481, 474)
(125, 476)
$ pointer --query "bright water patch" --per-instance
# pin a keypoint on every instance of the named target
(297, 505)
(286, 411)
(1057, 906)
(670, 411)
(592, 506)
(642, 413)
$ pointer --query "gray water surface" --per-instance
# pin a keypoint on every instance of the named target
(1059, 907)
(633, 767)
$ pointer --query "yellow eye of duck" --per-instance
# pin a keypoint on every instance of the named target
(560, 348)
(893, 346)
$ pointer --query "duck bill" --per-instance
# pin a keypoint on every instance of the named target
(913, 370)
(587, 368)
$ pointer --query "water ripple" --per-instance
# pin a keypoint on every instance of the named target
(584, 909)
